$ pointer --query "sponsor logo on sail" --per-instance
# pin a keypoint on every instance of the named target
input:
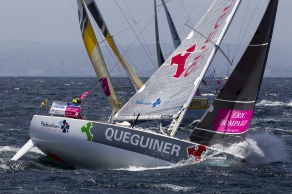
(141, 141)
(154, 104)
(141, 102)
(232, 121)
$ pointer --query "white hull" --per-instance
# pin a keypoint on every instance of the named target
(111, 146)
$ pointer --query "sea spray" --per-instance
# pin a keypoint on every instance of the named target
(274, 103)
(266, 148)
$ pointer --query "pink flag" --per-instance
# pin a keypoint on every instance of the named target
(85, 94)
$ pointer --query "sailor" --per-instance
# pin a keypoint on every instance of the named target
(77, 101)
(44, 103)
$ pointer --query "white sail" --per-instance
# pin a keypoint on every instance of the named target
(172, 87)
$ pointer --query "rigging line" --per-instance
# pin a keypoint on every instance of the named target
(107, 47)
(129, 11)
(237, 43)
(244, 34)
(188, 16)
(109, 51)
(216, 46)
(119, 32)
(75, 11)
(137, 38)
(195, 7)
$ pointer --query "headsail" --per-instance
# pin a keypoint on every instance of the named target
(160, 58)
(174, 34)
(96, 57)
(136, 81)
(172, 87)
(228, 119)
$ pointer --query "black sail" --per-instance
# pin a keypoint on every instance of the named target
(160, 58)
(227, 120)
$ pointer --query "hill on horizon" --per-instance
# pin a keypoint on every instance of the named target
(26, 58)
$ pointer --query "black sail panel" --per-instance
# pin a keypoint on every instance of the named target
(160, 58)
(227, 120)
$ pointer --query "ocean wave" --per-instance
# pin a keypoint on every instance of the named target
(266, 148)
(259, 148)
(274, 103)
(190, 161)
(15, 149)
(271, 130)
(174, 188)
(8, 149)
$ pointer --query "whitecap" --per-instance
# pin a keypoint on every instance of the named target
(16, 149)
(175, 188)
(266, 148)
(273, 103)
(190, 161)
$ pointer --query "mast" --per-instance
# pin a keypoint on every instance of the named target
(174, 34)
(160, 58)
(96, 14)
(95, 55)
(228, 119)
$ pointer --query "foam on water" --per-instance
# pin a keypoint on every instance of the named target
(8, 149)
(266, 148)
(190, 161)
(15, 149)
(174, 188)
(274, 103)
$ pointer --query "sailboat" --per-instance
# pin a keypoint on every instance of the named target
(93, 144)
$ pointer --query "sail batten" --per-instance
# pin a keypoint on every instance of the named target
(235, 101)
(228, 118)
(174, 84)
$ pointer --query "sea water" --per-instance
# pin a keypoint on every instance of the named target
(266, 169)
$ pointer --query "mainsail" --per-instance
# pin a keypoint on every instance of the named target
(169, 92)
(227, 120)
(136, 81)
(160, 58)
(96, 57)
(174, 34)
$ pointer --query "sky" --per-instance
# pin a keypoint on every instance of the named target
(55, 21)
